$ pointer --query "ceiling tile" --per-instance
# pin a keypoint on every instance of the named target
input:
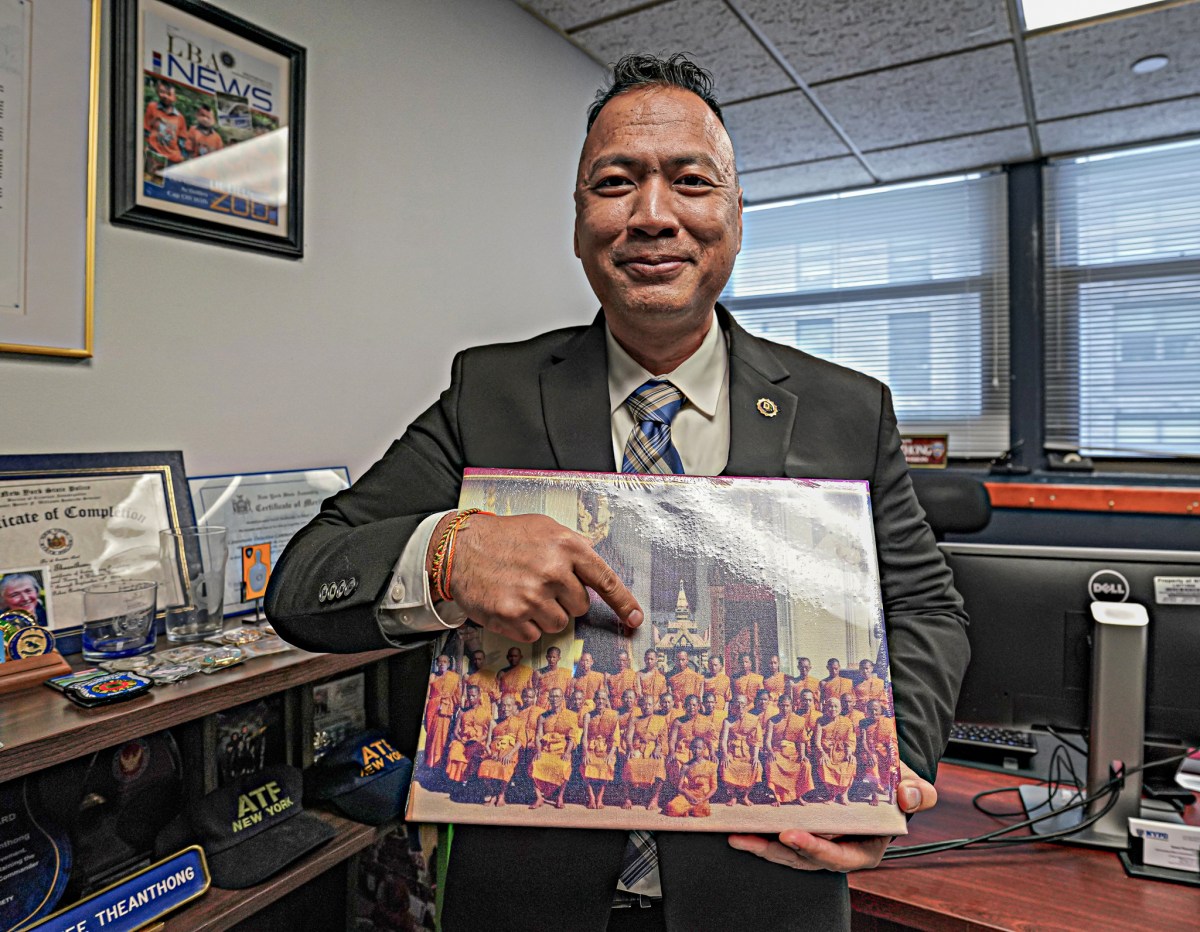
(1121, 127)
(567, 14)
(778, 130)
(950, 96)
(998, 147)
(1086, 70)
(706, 31)
(806, 178)
(824, 39)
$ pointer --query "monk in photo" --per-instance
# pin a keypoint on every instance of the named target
(834, 743)
(506, 738)
(684, 680)
(808, 708)
(804, 680)
(470, 737)
(717, 682)
(683, 730)
(444, 697)
(628, 705)
(776, 682)
(551, 676)
(697, 784)
(747, 682)
(485, 679)
(708, 723)
(741, 738)
(869, 685)
(587, 680)
(624, 680)
(530, 712)
(556, 739)
(601, 738)
(651, 680)
(789, 770)
(879, 751)
(645, 739)
(516, 676)
(835, 684)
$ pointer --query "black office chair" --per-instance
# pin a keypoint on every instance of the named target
(954, 502)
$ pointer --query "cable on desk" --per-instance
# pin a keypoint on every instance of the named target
(1053, 733)
(993, 839)
(1061, 767)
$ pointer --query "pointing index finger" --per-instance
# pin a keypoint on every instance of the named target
(597, 575)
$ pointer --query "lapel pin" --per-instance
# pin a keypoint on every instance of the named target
(766, 407)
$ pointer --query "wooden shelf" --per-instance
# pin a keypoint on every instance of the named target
(222, 909)
(40, 727)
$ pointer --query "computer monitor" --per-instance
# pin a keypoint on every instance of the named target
(1030, 633)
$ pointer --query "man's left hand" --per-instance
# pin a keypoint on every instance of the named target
(808, 852)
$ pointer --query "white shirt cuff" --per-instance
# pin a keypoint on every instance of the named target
(408, 606)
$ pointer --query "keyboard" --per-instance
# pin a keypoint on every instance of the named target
(990, 738)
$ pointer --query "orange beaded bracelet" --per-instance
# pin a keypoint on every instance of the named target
(443, 554)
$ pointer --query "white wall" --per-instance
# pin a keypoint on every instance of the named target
(441, 147)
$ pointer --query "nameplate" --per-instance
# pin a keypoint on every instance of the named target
(138, 900)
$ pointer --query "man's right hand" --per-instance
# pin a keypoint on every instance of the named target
(523, 576)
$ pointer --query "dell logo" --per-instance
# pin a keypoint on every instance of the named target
(1108, 586)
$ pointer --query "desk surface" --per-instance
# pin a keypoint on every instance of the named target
(1035, 886)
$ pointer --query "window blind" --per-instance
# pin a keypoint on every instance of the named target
(907, 283)
(1122, 358)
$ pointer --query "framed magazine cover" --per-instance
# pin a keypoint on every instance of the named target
(208, 126)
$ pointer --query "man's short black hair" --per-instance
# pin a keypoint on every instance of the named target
(634, 71)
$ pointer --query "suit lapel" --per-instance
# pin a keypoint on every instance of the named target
(575, 403)
(758, 443)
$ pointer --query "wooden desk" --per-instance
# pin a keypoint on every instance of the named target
(1035, 886)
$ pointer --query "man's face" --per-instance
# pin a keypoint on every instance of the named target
(586, 663)
(805, 667)
(710, 703)
(166, 96)
(774, 664)
(528, 695)
(472, 696)
(658, 211)
(714, 665)
(443, 663)
(681, 660)
(480, 658)
(552, 656)
(204, 117)
(651, 659)
(747, 664)
(556, 699)
(623, 660)
(866, 668)
(514, 657)
(833, 667)
(508, 705)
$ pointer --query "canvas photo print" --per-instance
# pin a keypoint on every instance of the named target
(754, 697)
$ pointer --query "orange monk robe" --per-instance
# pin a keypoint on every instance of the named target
(513, 680)
(603, 736)
(530, 717)
(699, 780)
(837, 742)
(744, 735)
(708, 727)
(489, 686)
(812, 716)
(559, 678)
(879, 739)
(590, 684)
(687, 683)
(855, 717)
(549, 770)
(789, 774)
(721, 687)
(444, 696)
(866, 690)
(685, 731)
(645, 734)
(508, 737)
(810, 682)
(652, 684)
(748, 684)
(620, 683)
(835, 687)
(776, 684)
(472, 732)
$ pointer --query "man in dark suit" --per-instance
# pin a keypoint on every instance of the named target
(658, 225)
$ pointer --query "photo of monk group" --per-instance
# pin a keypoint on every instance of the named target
(755, 696)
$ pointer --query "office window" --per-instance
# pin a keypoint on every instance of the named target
(908, 284)
(1122, 356)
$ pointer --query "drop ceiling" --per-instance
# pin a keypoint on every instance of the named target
(822, 95)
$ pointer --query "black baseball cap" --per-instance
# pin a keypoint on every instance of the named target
(363, 776)
(250, 829)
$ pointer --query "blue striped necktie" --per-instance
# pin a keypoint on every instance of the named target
(649, 449)
(653, 405)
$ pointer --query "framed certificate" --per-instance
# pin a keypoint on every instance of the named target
(88, 517)
(258, 508)
(208, 131)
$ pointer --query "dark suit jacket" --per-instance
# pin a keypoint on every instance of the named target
(543, 404)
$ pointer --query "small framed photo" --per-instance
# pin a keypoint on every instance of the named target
(208, 126)
(27, 589)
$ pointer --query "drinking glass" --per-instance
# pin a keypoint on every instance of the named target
(200, 555)
(119, 618)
